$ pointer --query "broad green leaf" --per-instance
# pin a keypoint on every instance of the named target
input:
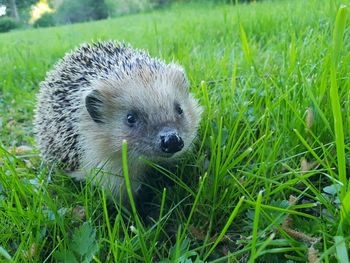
(84, 239)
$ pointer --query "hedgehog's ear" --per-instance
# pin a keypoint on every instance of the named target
(93, 104)
(178, 76)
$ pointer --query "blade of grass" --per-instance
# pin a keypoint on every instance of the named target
(341, 249)
(5, 254)
(338, 32)
(283, 210)
(178, 245)
(255, 227)
(111, 237)
(208, 109)
(201, 184)
(314, 154)
(225, 228)
(140, 229)
(245, 45)
(335, 101)
(173, 177)
(292, 54)
(158, 230)
(345, 208)
(265, 244)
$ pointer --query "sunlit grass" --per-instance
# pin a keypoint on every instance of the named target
(269, 171)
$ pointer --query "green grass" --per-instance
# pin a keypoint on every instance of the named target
(273, 78)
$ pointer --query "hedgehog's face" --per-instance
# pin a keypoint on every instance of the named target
(153, 111)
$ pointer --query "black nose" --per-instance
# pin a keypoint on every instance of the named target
(171, 143)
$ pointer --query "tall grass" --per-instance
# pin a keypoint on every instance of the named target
(267, 180)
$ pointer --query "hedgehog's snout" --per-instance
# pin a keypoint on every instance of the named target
(170, 141)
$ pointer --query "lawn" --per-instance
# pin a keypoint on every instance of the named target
(268, 174)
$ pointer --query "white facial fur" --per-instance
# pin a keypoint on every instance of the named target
(153, 96)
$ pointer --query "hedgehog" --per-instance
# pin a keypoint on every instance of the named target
(102, 94)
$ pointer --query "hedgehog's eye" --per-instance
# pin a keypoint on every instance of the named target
(131, 119)
(178, 109)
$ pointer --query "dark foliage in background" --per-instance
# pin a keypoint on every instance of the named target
(46, 20)
(18, 9)
(7, 24)
(69, 11)
(80, 11)
(161, 3)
